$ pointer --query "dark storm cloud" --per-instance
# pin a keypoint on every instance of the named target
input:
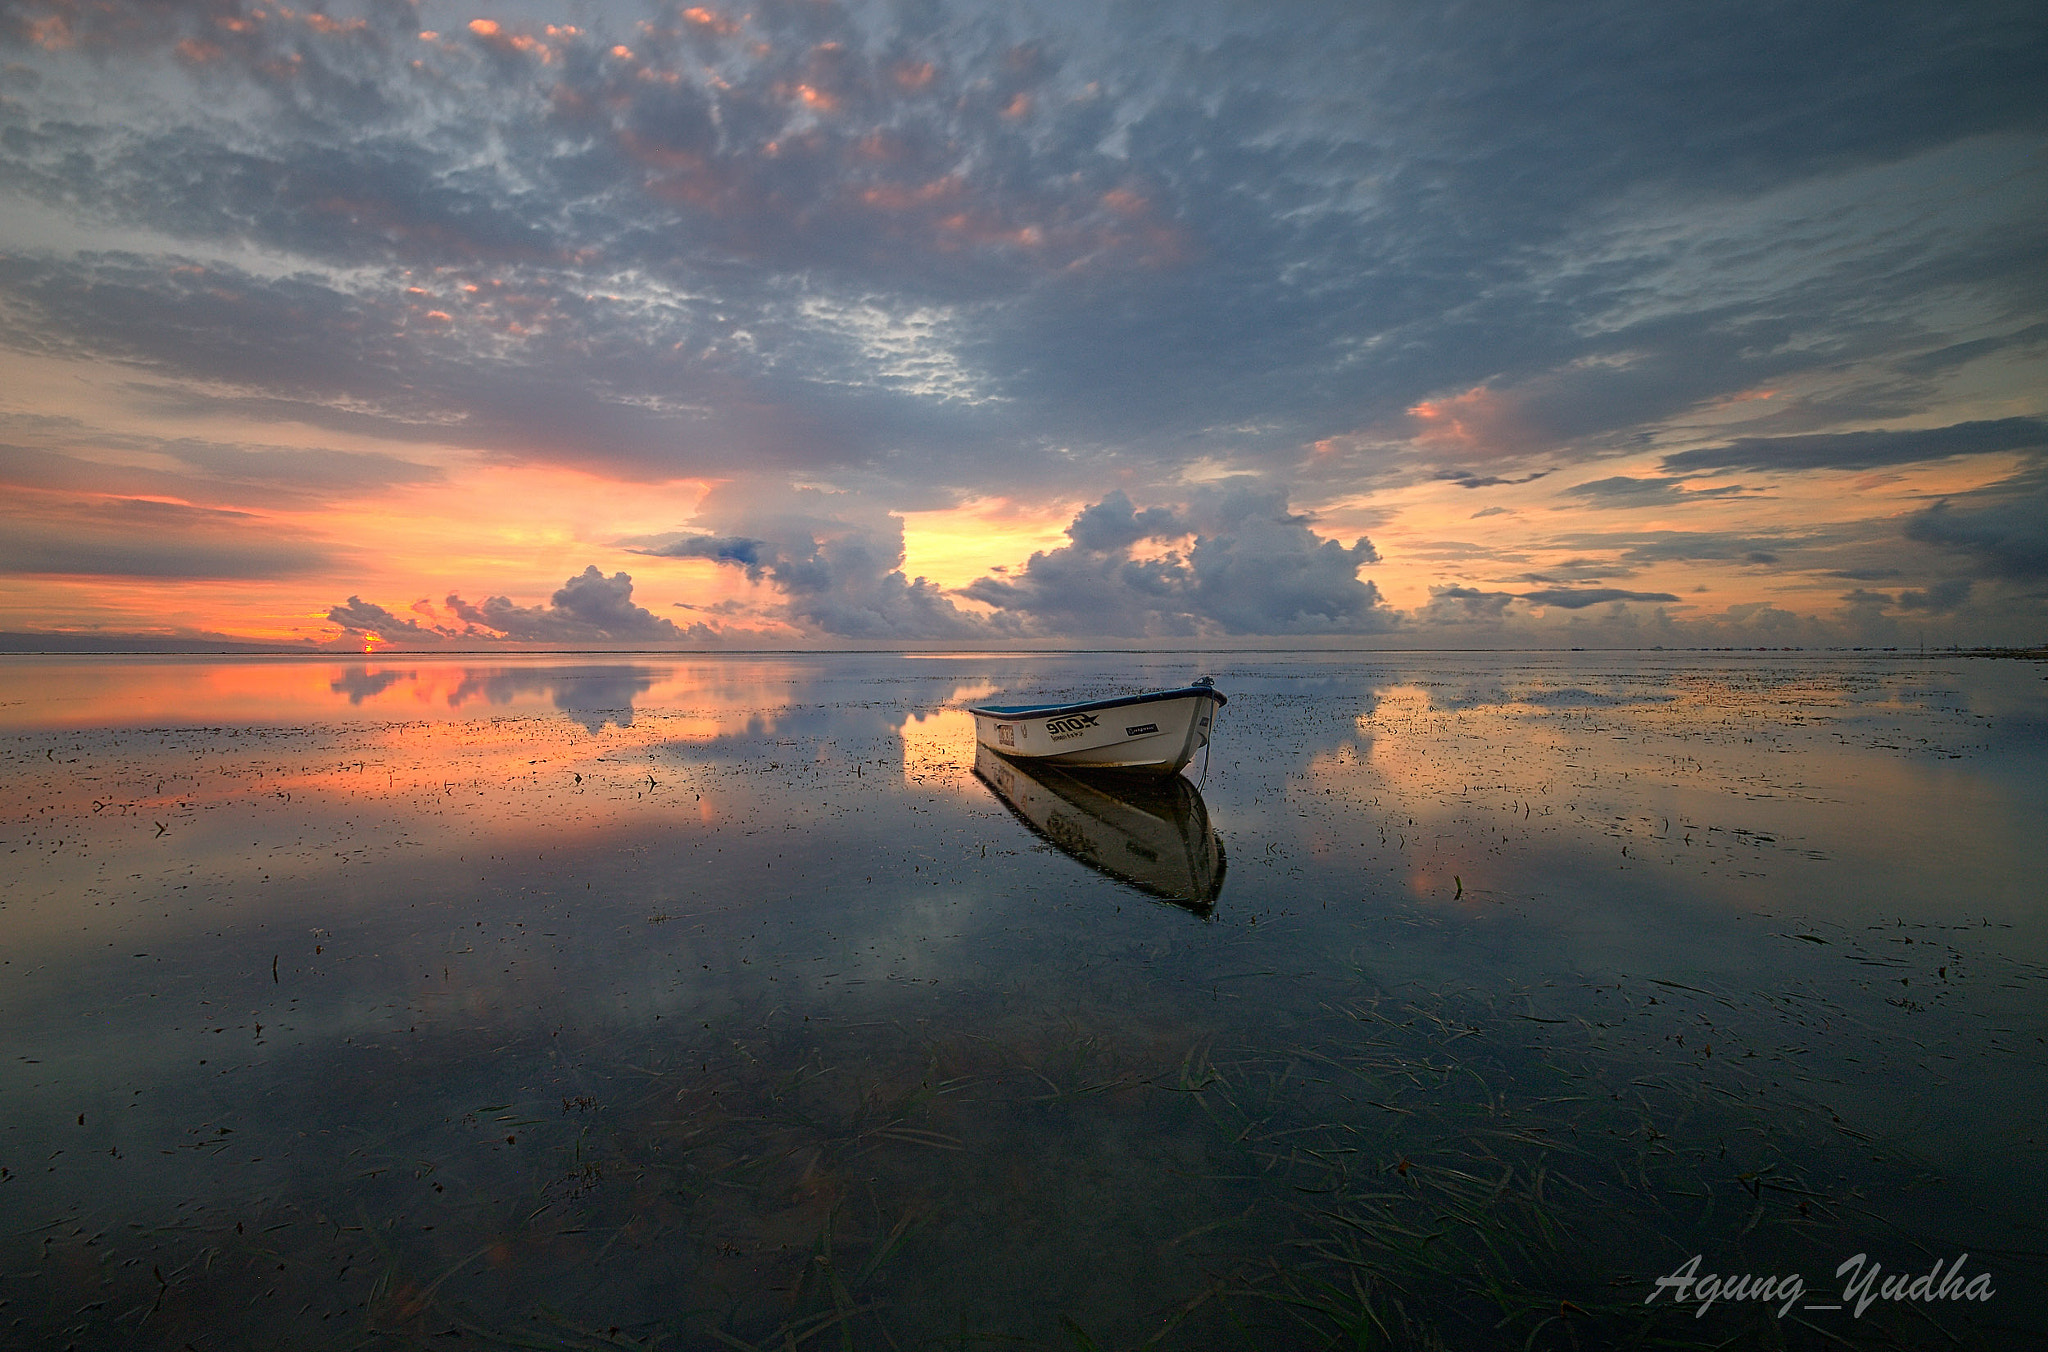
(1248, 566)
(1864, 450)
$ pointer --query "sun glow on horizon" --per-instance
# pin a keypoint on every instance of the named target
(953, 546)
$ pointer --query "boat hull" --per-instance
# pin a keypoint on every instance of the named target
(1155, 734)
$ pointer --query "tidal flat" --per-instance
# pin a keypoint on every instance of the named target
(718, 1002)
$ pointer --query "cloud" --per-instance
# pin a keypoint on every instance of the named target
(357, 616)
(756, 556)
(200, 473)
(142, 538)
(1962, 354)
(1637, 549)
(925, 253)
(169, 640)
(1622, 491)
(589, 607)
(765, 243)
(1570, 598)
(1113, 525)
(2002, 528)
(1467, 479)
(1457, 604)
(1249, 566)
(1864, 450)
(835, 563)
(593, 696)
(1466, 606)
(1940, 598)
(1480, 424)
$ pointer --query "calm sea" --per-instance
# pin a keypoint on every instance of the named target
(1471, 1000)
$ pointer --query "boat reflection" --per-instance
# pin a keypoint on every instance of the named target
(1152, 834)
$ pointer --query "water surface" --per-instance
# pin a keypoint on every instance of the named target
(699, 1002)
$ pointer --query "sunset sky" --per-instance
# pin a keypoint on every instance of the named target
(595, 324)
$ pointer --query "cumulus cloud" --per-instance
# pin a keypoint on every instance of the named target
(1235, 561)
(589, 608)
(357, 616)
(834, 562)
(1458, 604)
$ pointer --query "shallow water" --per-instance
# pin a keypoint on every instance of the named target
(702, 1002)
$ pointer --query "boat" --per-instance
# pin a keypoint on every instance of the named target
(1153, 834)
(1153, 734)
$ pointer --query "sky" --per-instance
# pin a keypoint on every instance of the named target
(813, 323)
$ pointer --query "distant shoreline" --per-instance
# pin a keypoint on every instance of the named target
(25, 644)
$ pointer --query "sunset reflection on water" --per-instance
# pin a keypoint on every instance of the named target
(642, 974)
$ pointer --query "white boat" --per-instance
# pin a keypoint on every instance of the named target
(1151, 833)
(1155, 733)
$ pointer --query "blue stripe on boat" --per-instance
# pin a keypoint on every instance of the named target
(1149, 697)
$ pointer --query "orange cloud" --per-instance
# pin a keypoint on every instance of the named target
(913, 76)
(52, 33)
(711, 21)
(1476, 425)
(320, 23)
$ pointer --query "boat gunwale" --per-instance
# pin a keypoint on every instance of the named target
(1017, 712)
